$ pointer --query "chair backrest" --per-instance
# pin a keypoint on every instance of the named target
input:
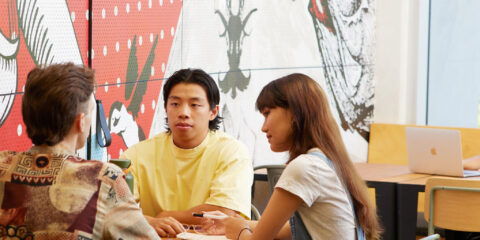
(454, 203)
(273, 174)
(255, 213)
(387, 143)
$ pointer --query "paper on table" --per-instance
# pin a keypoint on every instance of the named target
(195, 236)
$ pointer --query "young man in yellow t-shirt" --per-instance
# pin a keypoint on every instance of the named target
(191, 167)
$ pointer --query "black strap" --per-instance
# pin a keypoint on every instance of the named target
(102, 126)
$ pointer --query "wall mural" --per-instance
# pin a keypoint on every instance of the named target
(31, 35)
(234, 34)
(345, 34)
(131, 43)
(9, 45)
(244, 44)
(121, 118)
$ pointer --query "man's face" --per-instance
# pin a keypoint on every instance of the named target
(188, 113)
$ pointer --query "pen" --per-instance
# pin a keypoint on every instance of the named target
(206, 215)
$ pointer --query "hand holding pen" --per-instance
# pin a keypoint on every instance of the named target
(213, 222)
(211, 215)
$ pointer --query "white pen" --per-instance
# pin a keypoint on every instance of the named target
(206, 215)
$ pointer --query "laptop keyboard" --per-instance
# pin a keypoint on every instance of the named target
(470, 173)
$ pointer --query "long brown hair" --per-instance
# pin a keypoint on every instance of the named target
(314, 126)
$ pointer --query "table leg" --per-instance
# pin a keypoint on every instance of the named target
(407, 201)
(385, 197)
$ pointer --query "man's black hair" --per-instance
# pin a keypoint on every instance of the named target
(200, 77)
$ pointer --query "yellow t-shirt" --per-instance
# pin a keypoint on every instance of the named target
(217, 172)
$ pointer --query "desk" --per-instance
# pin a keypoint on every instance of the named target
(170, 238)
(396, 194)
(396, 206)
(385, 178)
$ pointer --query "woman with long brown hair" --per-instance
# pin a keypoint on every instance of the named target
(319, 186)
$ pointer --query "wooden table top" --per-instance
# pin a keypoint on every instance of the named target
(393, 173)
(371, 171)
(381, 172)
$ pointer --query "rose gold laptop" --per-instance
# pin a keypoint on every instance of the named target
(436, 151)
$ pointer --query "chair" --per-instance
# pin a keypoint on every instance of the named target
(452, 203)
(435, 236)
(255, 213)
(273, 174)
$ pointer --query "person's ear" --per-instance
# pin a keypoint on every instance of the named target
(80, 122)
(292, 119)
(214, 112)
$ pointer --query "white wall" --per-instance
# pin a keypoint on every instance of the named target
(400, 74)
(454, 73)
(409, 50)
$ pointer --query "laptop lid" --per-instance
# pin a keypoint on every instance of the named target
(434, 151)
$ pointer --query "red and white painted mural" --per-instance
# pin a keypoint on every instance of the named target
(131, 44)
(34, 32)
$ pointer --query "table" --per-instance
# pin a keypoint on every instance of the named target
(396, 194)
(174, 238)
(389, 196)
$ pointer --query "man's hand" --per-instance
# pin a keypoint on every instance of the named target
(472, 163)
(165, 226)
